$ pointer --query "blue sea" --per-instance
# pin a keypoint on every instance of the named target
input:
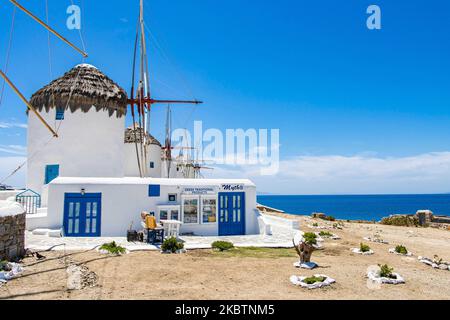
(359, 207)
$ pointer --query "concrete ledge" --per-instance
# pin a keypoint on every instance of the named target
(281, 222)
(36, 221)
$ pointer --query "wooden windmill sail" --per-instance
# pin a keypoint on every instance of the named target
(11, 84)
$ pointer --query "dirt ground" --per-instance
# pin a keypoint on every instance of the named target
(246, 274)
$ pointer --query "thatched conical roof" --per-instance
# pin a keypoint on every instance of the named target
(131, 137)
(90, 88)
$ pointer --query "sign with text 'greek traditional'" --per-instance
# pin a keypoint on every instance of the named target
(200, 190)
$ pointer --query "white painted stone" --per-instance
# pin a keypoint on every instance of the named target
(298, 281)
(375, 277)
(358, 251)
(307, 265)
(409, 254)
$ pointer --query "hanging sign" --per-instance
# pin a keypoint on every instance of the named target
(199, 190)
(232, 187)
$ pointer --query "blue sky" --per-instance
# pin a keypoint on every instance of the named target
(375, 99)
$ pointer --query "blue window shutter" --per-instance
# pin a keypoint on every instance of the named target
(51, 173)
(154, 190)
(59, 114)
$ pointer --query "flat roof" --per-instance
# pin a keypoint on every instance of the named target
(161, 181)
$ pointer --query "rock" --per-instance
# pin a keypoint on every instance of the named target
(306, 265)
(443, 266)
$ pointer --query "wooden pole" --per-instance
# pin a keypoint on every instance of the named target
(27, 103)
(42, 23)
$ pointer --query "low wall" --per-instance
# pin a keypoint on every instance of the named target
(281, 222)
(12, 236)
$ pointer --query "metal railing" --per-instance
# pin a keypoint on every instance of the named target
(30, 200)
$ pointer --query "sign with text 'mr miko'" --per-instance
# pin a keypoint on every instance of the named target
(232, 187)
(200, 190)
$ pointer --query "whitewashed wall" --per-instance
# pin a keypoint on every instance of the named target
(124, 199)
(153, 155)
(89, 145)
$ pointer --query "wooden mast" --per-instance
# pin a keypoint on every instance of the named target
(30, 107)
(143, 99)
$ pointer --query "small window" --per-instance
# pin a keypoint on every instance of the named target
(163, 215)
(154, 190)
(190, 210)
(209, 207)
(152, 165)
(59, 114)
(51, 173)
(172, 197)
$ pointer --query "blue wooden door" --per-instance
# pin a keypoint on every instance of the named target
(82, 215)
(231, 213)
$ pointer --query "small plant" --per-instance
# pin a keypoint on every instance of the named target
(172, 245)
(386, 271)
(437, 260)
(310, 238)
(330, 218)
(364, 247)
(4, 265)
(325, 234)
(113, 248)
(401, 249)
(315, 224)
(222, 245)
(314, 279)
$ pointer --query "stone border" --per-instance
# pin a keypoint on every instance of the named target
(376, 240)
(409, 254)
(358, 251)
(375, 277)
(442, 266)
(298, 281)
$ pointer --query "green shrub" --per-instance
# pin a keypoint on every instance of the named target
(325, 234)
(364, 247)
(386, 271)
(315, 224)
(4, 265)
(310, 238)
(113, 248)
(312, 280)
(222, 245)
(401, 249)
(172, 245)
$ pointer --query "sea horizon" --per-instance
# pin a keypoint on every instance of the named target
(358, 206)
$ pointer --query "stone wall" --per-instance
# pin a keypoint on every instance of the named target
(12, 236)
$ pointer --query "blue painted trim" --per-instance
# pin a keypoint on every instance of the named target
(59, 114)
(51, 172)
(154, 190)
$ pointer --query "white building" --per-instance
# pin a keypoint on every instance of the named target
(88, 177)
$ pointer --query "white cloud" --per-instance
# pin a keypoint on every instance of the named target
(10, 125)
(364, 173)
(13, 149)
